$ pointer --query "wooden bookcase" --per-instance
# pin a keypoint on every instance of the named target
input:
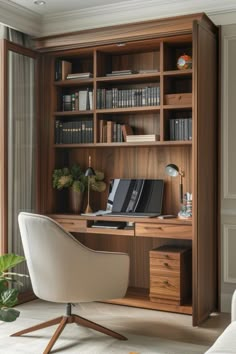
(153, 48)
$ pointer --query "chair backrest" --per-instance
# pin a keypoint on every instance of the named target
(60, 266)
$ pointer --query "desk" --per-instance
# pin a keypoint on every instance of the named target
(145, 234)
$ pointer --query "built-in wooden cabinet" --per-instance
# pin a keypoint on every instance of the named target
(149, 99)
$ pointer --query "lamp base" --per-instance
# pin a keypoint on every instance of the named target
(88, 209)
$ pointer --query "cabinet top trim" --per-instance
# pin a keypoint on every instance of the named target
(122, 33)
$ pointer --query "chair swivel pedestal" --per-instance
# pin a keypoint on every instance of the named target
(63, 321)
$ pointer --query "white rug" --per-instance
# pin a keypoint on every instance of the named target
(80, 340)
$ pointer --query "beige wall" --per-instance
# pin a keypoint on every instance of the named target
(228, 165)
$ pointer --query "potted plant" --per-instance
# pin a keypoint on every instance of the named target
(9, 296)
(75, 180)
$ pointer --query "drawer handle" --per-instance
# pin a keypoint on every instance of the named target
(166, 265)
(166, 282)
(166, 256)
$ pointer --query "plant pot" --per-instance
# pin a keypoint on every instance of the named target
(75, 201)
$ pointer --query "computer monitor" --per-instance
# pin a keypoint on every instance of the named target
(136, 196)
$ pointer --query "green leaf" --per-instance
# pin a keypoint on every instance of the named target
(9, 297)
(78, 186)
(8, 261)
(3, 285)
(8, 315)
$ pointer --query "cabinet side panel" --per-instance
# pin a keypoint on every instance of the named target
(205, 179)
(46, 123)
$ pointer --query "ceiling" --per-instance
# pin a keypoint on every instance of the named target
(59, 6)
(63, 16)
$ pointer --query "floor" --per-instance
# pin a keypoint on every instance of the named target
(147, 331)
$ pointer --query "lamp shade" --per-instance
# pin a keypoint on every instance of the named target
(172, 170)
(90, 172)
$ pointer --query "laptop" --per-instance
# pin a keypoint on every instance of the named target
(135, 197)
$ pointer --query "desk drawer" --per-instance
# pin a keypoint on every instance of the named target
(72, 225)
(164, 266)
(163, 230)
(165, 287)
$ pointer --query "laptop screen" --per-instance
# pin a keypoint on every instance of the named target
(135, 195)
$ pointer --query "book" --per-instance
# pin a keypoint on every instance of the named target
(79, 75)
(65, 69)
(83, 100)
(110, 126)
(126, 130)
(141, 138)
(122, 72)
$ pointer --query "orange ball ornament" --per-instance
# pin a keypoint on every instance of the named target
(184, 62)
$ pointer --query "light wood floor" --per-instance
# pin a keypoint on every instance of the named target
(143, 322)
(150, 326)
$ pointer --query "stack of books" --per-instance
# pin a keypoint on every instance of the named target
(122, 72)
(86, 75)
(142, 138)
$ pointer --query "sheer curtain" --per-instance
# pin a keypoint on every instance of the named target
(21, 141)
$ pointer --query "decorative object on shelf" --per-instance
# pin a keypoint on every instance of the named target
(174, 171)
(76, 181)
(9, 296)
(89, 173)
(186, 211)
(184, 62)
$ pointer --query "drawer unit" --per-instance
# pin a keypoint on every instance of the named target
(170, 274)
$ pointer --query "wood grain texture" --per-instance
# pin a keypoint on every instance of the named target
(157, 45)
(205, 155)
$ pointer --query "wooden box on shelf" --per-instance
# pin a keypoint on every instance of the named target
(178, 98)
(170, 275)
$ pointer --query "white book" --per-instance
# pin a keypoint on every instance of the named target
(83, 100)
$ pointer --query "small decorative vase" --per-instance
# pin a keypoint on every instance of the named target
(75, 201)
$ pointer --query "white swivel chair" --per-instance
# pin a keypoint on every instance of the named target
(63, 270)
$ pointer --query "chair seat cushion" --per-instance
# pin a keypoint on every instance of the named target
(226, 342)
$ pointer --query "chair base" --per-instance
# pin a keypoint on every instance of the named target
(63, 321)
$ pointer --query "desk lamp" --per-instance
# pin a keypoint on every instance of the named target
(174, 171)
(88, 173)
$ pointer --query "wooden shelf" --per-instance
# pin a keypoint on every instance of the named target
(140, 298)
(73, 113)
(125, 145)
(150, 77)
(126, 110)
(74, 82)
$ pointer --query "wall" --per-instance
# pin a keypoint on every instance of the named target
(228, 165)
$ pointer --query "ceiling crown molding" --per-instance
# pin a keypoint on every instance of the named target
(22, 19)
(129, 12)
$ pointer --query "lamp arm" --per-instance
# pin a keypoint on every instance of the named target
(181, 175)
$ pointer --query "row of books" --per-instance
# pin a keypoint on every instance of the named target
(180, 129)
(81, 100)
(74, 132)
(110, 132)
(120, 98)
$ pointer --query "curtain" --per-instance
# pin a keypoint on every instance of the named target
(21, 127)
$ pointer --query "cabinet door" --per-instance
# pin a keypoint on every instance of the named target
(205, 122)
